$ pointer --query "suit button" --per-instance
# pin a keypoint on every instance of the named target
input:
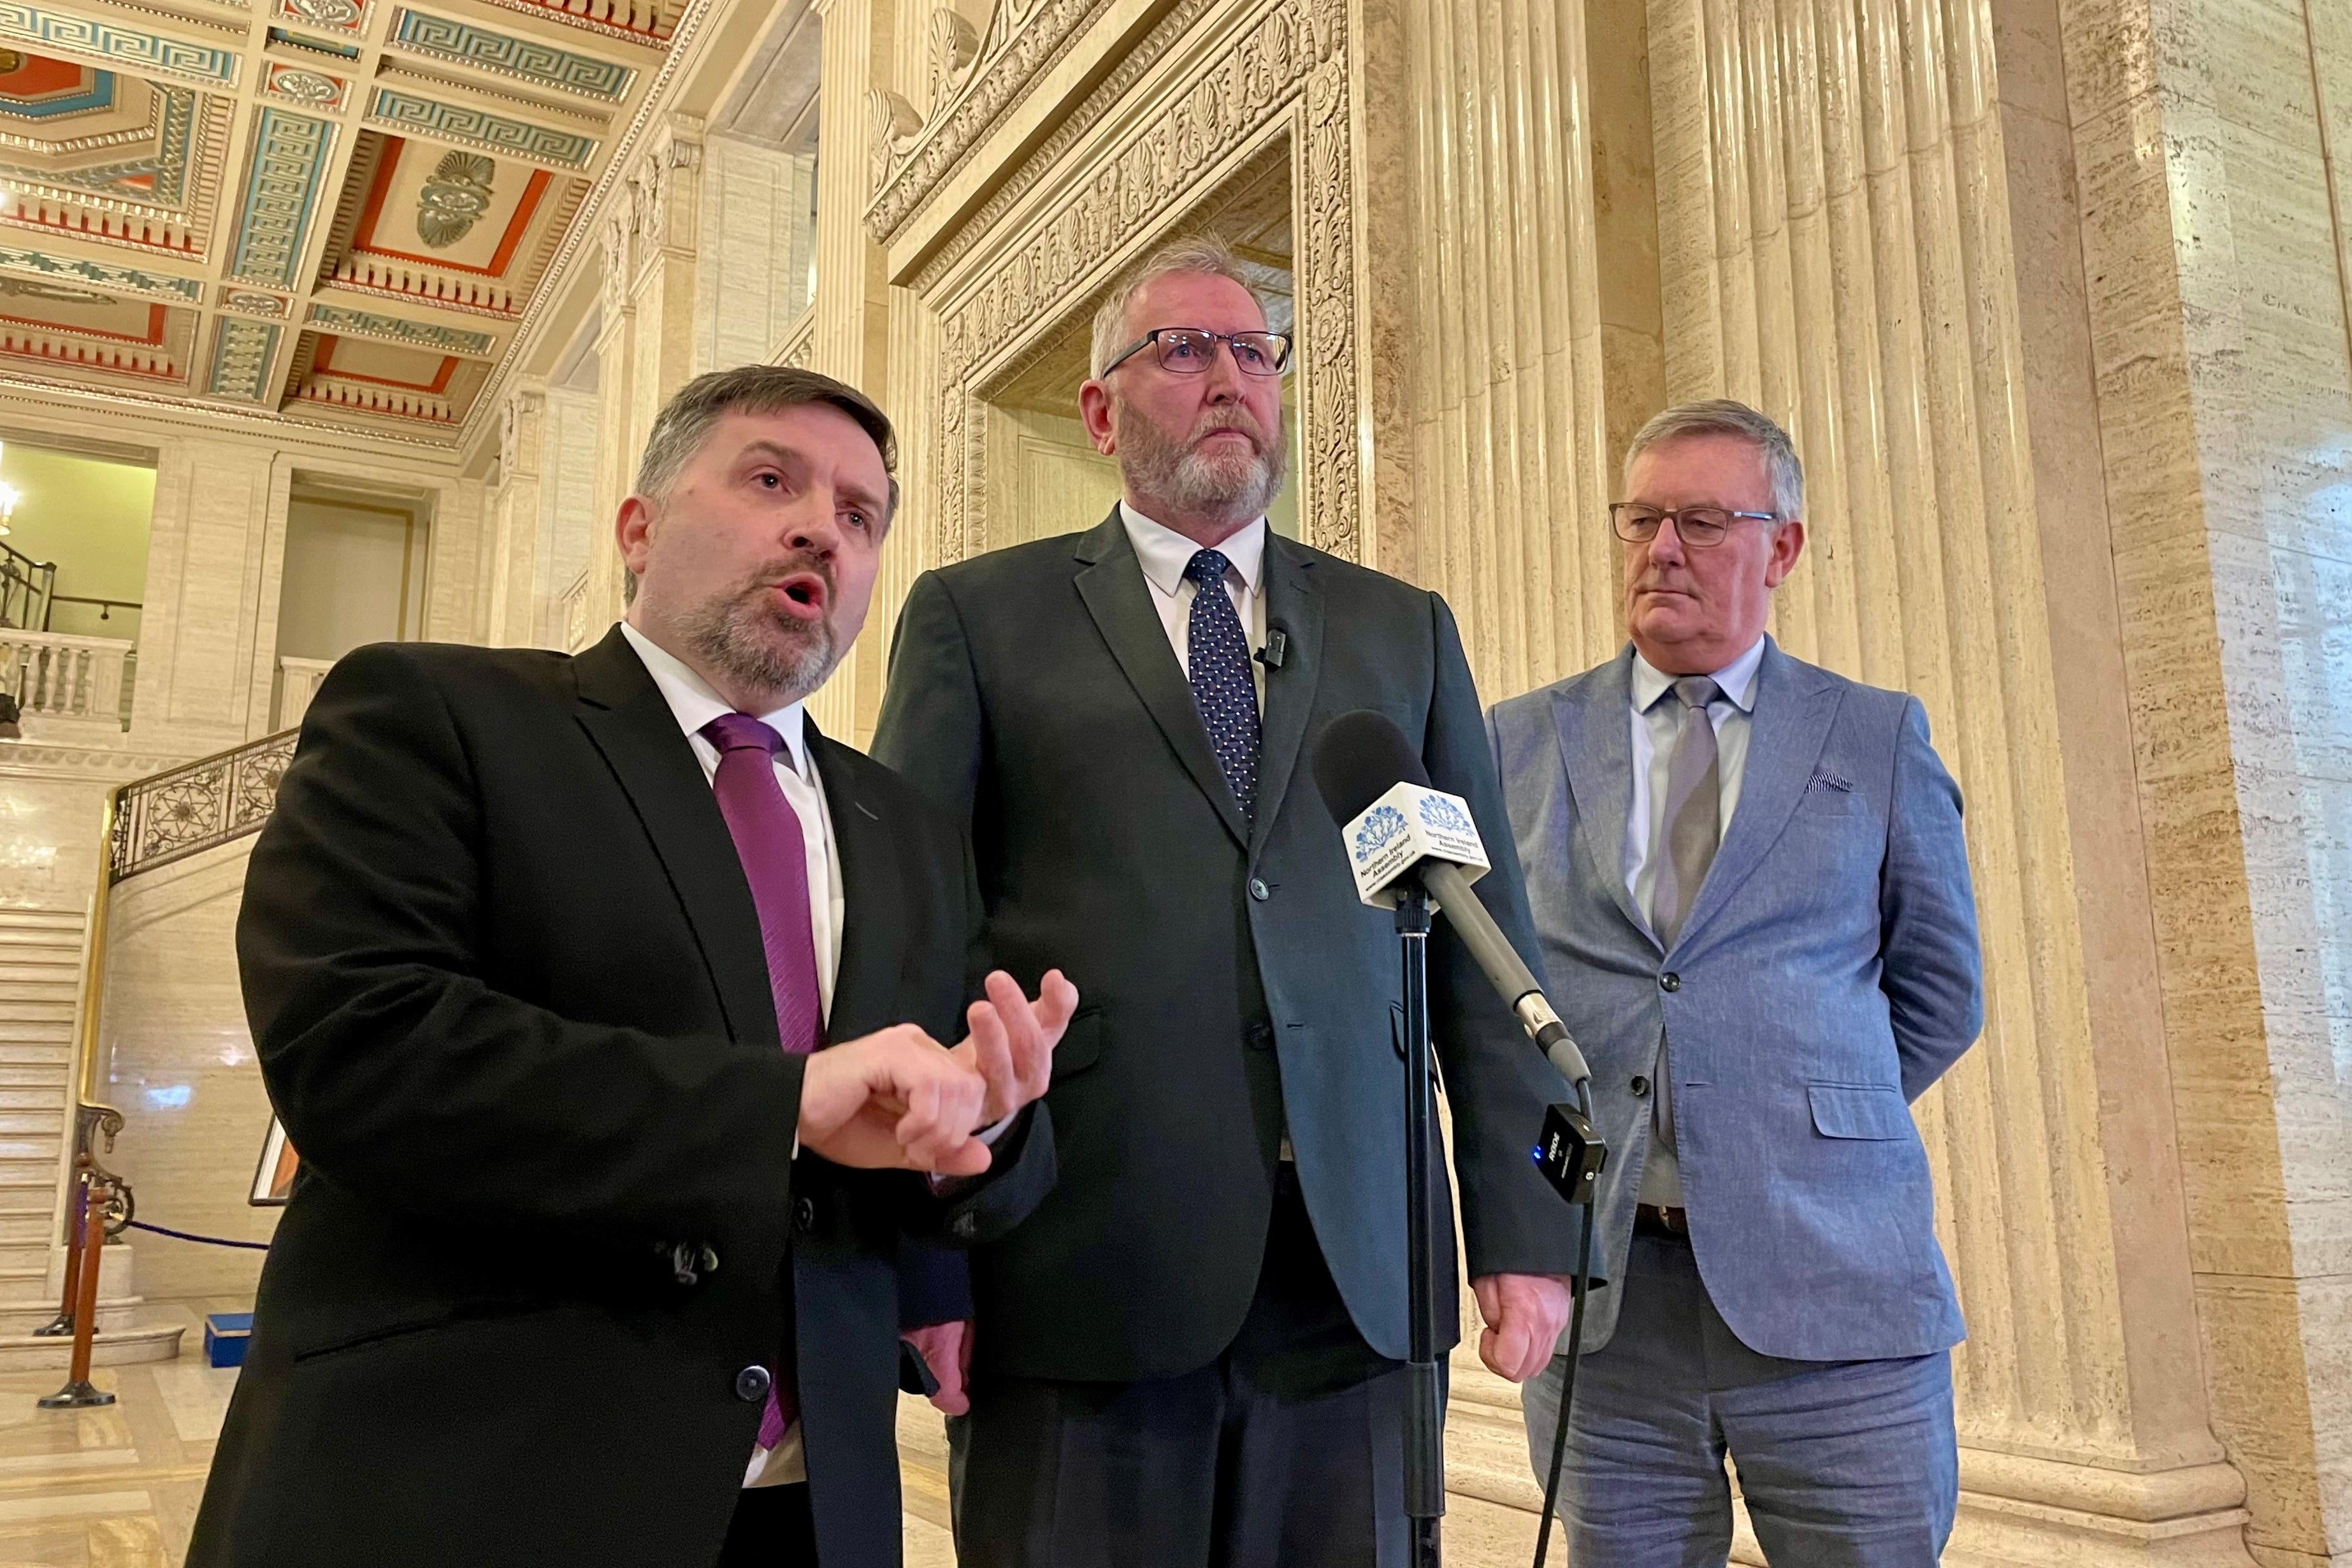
(805, 1216)
(1259, 891)
(1670, 981)
(1259, 1037)
(751, 1385)
(965, 1227)
(1640, 1086)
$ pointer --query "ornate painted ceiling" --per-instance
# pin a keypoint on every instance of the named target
(330, 211)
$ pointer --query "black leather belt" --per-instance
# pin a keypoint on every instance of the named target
(1672, 1224)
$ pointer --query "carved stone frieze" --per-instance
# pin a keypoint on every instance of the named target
(1289, 60)
(1024, 40)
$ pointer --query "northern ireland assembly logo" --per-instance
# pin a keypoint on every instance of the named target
(1439, 814)
(1378, 831)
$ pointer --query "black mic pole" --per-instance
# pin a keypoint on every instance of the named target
(1575, 1348)
(1425, 1414)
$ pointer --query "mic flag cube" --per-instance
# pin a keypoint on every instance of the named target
(1409, 824)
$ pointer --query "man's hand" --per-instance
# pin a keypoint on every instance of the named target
(1012, 1042)
(893, 1100)
(946, 1349)
(1524, 1313)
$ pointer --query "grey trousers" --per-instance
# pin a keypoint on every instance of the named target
(1847, 1462)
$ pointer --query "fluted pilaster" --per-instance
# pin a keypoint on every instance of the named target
(1836, 228)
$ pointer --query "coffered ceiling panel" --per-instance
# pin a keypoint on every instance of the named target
(326, 212)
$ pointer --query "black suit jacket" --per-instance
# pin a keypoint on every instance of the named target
(1230, 980)
(506, 983)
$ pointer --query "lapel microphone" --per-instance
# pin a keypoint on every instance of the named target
(1276, 648)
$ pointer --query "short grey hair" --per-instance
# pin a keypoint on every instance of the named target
(1204, 255)
(1723, 416)
(685, 420)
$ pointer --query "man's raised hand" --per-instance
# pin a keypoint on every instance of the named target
(1011, 1046)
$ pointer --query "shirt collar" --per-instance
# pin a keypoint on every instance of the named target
(693, 704)
(1737, 679)
(1163, 553)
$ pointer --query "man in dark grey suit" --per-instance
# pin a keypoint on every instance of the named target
(1752, 895)
(1187, 1356)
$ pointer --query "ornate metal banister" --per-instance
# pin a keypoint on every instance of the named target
(149, 824)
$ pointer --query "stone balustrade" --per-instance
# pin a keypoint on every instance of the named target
(65, 685)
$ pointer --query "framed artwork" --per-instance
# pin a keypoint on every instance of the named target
(273, 1178)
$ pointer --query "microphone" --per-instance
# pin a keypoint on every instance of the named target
(1276, 648)
(1400, 831)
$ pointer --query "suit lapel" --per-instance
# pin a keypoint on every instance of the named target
(1110, 582)
(1795, 704)
(1596, 746)
(632, 728)
(864, 981)
(1294, 603)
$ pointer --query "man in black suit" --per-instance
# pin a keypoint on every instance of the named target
(594, 1256)
(1189, 1355)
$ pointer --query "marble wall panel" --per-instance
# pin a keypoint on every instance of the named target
(202, 631)
(569, 520)
(179, 1062)
(757, 247)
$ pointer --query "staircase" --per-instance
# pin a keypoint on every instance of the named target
(40, 986)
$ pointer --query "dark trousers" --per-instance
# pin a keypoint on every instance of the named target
(772, 1529)
(1284, 1452)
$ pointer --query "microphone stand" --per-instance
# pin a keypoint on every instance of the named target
(1424, 1411)
(1575, 1355)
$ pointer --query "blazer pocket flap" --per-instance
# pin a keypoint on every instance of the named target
(1081, 1043)
(1859, 1111)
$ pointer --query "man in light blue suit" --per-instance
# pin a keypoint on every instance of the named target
(1751, 894)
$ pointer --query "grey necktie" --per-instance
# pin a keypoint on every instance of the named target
(1684, 849)
(1692, 823)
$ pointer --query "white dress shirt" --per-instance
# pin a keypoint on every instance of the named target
(1163, 553)
(694, 704)
(1656, 723)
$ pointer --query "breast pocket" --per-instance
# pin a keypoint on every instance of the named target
(1868, 1111)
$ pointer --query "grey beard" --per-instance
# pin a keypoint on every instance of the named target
(740, 638)
(1181, 476)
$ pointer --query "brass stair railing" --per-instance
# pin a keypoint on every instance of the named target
(148, 823)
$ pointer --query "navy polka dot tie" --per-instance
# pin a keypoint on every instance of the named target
(1222, 688)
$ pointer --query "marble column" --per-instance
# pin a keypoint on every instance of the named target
(648, 347)
(1840, 248)
(2210, 148)
(757, 251)
(513, 522)
(569, 521)
(854, 319)
(209, 625)
(1506, 382)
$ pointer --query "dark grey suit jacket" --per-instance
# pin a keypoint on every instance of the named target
(1230, 980)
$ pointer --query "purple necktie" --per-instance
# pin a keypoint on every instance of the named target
(767, 834)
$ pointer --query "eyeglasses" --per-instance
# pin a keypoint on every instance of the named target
(1188, 350)
(1701, 527)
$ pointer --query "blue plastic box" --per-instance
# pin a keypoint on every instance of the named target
(225, 1337)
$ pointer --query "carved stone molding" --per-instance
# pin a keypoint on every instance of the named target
(31, 759)
(909, 156)
(1287, 61)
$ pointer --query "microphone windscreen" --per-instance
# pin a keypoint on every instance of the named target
(1361, 757)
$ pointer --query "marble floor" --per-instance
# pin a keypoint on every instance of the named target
(117, 1487)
